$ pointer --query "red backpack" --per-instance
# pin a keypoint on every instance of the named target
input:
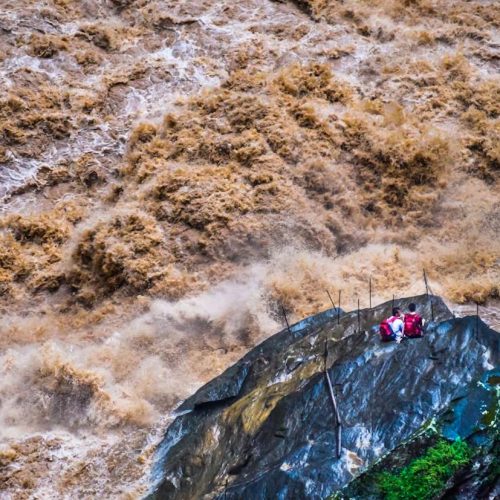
(413, 325)
(385, 330)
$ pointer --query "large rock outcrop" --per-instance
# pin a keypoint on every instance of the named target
(266, 429)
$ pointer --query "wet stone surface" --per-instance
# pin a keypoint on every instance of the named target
(274, 436)
(474, 418)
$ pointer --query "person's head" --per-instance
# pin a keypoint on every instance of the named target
(412, 307)
(396, 311)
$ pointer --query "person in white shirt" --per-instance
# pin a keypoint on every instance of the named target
(397, 325)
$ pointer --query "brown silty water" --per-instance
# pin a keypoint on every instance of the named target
(174, 172)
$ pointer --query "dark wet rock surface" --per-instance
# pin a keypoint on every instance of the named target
(265, 428)
(473, 417)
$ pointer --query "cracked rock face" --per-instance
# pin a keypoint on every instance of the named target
(266, 428)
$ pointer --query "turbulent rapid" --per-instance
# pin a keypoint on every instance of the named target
(175, 173)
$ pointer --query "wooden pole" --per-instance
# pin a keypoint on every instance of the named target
(331, 300)
(338, 310)
(359, 319)
(370, 291)
(427, 290)
(426, 284)
(334, 404)
(286, 319)
(477, 318)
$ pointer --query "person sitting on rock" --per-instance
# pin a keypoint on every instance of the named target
(413, 323)
(393, 328)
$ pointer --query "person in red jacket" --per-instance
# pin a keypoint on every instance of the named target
(414, 324)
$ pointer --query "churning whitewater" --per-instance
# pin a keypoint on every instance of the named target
(174, 174)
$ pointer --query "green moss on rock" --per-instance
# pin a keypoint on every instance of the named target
(426, 476)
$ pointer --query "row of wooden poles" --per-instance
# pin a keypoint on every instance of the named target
(333, 399)
(338, 421)
(428, 292)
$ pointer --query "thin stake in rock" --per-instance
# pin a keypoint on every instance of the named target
(286, 319)
(334, 404)
(359, 319)
(477, 318)
(370, 291)
(427, 290)
(338, 310)
(331, 300)
(426, 284)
